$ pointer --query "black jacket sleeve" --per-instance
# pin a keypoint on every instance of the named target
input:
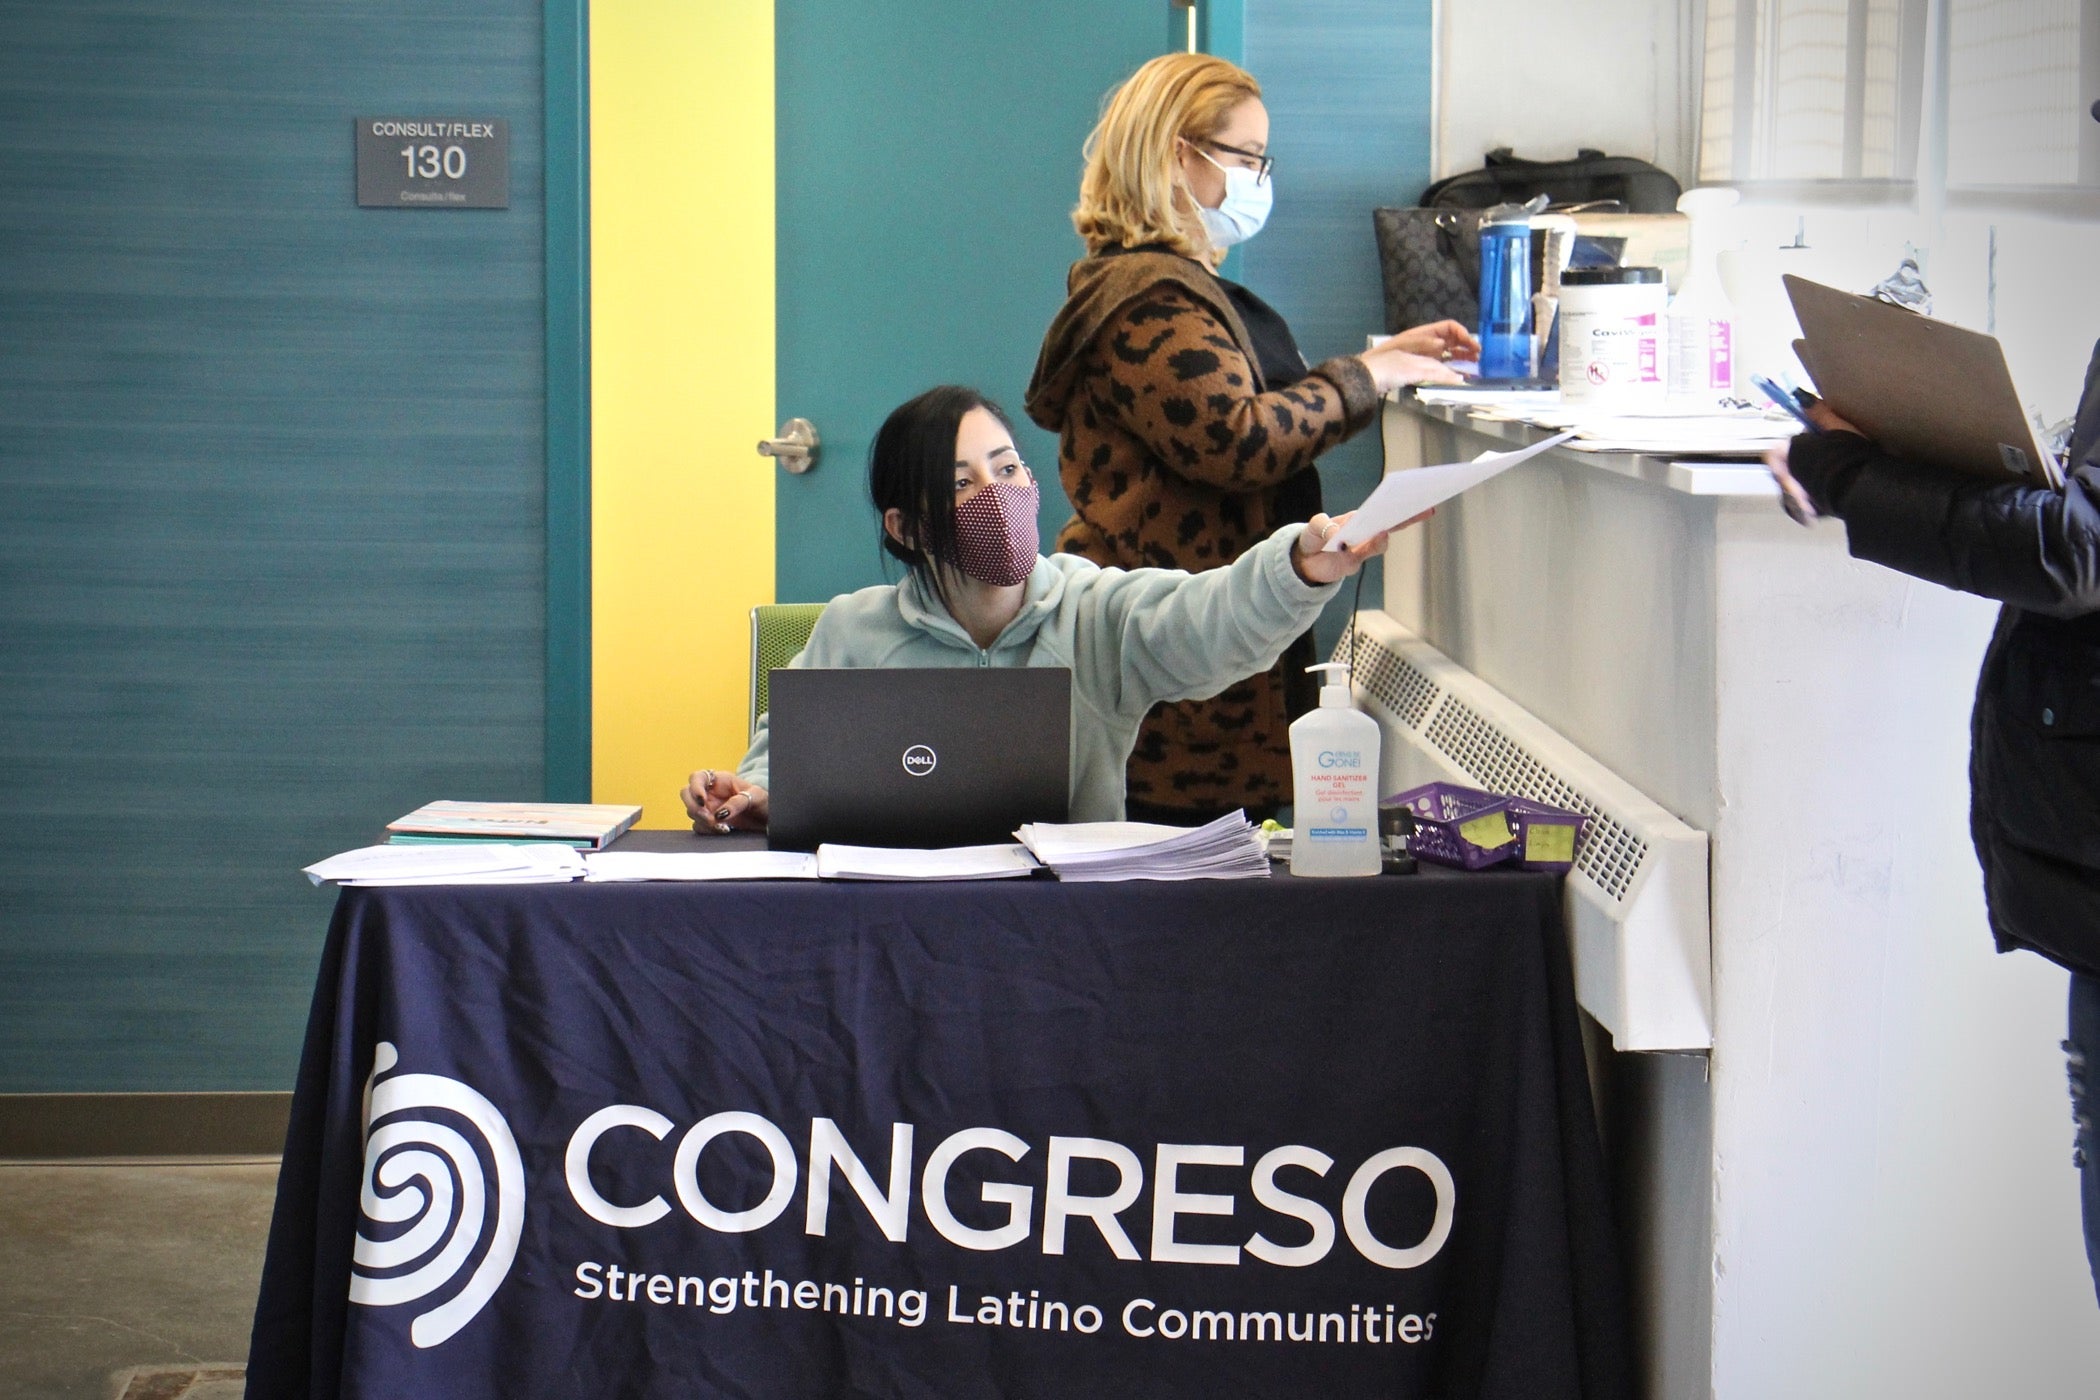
(2025, 545)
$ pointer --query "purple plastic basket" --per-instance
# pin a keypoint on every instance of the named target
(1443, 811)
(1536, 825)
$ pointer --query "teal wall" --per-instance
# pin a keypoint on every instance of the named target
(273, 547)
(1347, 85)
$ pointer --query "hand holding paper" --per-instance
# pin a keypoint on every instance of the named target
(1406, 494)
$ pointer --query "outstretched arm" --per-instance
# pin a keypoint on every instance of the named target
(1169, 635)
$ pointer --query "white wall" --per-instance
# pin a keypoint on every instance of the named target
(1503, 79)
(2037, 296)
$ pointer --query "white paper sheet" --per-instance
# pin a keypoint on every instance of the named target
(1403, 495)
(606, 866)
(493, 877)
(493, 863)
(948, 863)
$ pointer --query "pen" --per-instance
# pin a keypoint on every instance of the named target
(1798, 507)
(1786, 401)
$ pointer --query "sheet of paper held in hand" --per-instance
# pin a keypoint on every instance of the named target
(1403, 495)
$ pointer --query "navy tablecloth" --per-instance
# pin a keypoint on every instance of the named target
(1253, 1138)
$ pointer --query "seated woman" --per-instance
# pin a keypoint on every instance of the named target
(958, 507)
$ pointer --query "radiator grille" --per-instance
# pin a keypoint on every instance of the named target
(1611, 855)
(1393, 679)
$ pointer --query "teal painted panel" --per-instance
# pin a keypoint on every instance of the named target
(1224, 28)
(928, 161)
(1347, 85)
(568, 171)
(272, 559)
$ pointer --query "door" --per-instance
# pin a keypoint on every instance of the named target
(904, 175)
(928, 158)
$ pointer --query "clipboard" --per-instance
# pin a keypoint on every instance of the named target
(1924, 389)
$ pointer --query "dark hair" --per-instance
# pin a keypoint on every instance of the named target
(911, 465)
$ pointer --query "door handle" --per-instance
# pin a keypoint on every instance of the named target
(796, 447)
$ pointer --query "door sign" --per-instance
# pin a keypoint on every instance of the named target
(431, 163)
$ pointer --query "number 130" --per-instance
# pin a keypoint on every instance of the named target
(428, 162)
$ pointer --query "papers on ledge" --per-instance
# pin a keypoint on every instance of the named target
(1403, 495)
(1696, 435)
(489, 863)
(1661, 430)
(1226, 849)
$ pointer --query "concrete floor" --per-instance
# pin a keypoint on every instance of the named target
(132, 1280)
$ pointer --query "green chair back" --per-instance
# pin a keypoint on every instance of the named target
(778, 633)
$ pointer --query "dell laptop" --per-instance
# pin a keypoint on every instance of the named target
(917, 757)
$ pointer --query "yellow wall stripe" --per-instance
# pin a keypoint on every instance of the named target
(681, 386)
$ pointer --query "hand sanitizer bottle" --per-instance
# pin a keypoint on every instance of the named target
(1334, 772)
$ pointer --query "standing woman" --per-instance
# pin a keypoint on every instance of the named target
(1187, 419)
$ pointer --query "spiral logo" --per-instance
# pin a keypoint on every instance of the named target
(428, 1201)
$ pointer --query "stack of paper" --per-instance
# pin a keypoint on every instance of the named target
(947, 863)
(1667, 429)
(1226, 849)
(699, 865)
(486, 863)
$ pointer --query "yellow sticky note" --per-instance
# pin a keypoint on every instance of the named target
(1490, 832)
(1549, 841)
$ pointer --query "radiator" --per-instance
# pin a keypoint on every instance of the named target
(1637, 900)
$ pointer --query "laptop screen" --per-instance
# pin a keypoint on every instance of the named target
(917, 757)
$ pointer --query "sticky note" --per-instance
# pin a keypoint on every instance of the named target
(1549, 841)
(1490, 832)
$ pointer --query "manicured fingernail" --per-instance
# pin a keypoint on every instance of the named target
(722, 815)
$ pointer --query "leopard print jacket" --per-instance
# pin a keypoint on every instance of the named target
(1173, 454)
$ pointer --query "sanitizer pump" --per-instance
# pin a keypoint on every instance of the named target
(1334, 771)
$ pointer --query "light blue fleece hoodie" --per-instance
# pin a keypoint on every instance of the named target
(1131, 637)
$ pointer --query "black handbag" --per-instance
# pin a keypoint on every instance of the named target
(1429, 257)
(1419, 265)
(1591, 177)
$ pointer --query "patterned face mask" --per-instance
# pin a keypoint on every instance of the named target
(995, 534)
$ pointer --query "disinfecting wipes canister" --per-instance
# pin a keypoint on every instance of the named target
(1611, 336)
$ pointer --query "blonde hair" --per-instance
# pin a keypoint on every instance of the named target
(1132, 193)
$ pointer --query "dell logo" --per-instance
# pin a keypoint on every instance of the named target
(918, 760)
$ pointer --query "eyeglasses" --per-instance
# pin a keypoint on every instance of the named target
(1262, 163)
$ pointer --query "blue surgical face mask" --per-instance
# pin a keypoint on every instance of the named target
(1245, 208)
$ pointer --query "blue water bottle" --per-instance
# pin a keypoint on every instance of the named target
(1505, 293)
